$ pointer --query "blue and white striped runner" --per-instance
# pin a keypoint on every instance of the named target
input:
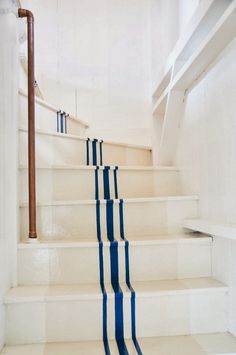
(114, 264)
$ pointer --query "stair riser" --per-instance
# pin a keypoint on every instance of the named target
(59, 184)
(46, 119)
(54, 266)
(181, 314)
(79, 320)
(39, 322)
(73, 222)
(62, 150)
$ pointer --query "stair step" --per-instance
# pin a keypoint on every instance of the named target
(166, 257)
(78, 182)
(63, 149)
(42, 313)
(142, 216)
(46, 116)
(201, 344)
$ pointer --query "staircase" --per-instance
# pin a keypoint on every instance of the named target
(113, 272)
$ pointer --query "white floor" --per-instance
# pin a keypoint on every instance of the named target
(222, 343)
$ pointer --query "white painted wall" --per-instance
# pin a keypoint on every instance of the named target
(186, 11)
(224, 269)
(93, 58)
(206, 156)
(168, 19)
(164, 34)
(207, 144)
(8, 150)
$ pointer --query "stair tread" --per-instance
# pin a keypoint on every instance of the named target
(47, 105)
(133, 240)
(201, 344)
(73, 136)
(22, 294)
(126, 200)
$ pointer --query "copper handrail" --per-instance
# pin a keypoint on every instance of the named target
(31, 123)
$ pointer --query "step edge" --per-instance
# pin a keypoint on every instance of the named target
(98, 296)
(101, 167)
(76, 137)
(206, 240)
(116, 201)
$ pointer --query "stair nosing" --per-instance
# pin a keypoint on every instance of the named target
(97, 295)
(86, 167)
(116, 201)
(188, 239)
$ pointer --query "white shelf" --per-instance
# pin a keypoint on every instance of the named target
(211, 228)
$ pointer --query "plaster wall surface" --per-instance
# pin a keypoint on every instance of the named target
(206, 157)
(100, 59)
(92, 59)
(8, 151)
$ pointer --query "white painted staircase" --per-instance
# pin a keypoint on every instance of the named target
(171, 304)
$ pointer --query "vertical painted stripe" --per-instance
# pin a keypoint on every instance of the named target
(115, 182)
(98, 220)
(119, 315)
(87, 151)
(121, 213)
(119, 320)
(101, 159)
(101, 271)
(128, 283)
(58, 113)
(62, 117)
(114, 266)
(96, 183)
(94, 146)
(105, 339)
(66, 123)
(109, 219)
(106, 183)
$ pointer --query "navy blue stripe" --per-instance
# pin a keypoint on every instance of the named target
(115, 182)
(106, 184)
(66, 123)
(94, 146)
(105, 339)
(121, 213)
(62, 116)
(58, 113)
(127, 279)
(96, 183)
(101, 152)
(101, 271)
(122, 347)
(119, 316)
(132, 300)
(87, 151)
(119, 319)
(114, 266)
(109, 219)
(98, 220)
